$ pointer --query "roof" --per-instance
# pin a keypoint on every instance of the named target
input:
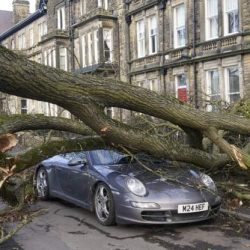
(5, 20)
(29, 19)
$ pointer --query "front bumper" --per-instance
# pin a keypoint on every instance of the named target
(132, 215)
(166, 214)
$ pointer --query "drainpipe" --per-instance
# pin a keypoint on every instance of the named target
(194, 55)
(71, 35)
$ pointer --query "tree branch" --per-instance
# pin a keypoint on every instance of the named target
(16, 123)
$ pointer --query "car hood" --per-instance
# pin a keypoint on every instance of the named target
(155, 176)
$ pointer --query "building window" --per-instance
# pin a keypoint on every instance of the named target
(42, 30)
(61, 18)
(50, 58)
(232, 84)
(83, 7)
(181, 87)
(140, 39)
(211, 19)
(231, 16)
(107, 45)
(96, 46)
(24, 107)
(84, 51)
(63, 59)
(21, 41)
(141, 84)
(103, 4)
(153, 85)
(109, 112)
(213, 89)
(31, 34)
(90, 48)
(179, 26)
(12, 44)
(152, 27)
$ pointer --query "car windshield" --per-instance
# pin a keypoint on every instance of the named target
(109, 157)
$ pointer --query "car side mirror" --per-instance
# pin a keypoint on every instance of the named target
(77, 161)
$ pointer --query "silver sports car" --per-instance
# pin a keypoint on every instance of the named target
(123, 189)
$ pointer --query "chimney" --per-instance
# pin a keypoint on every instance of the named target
(21, 9)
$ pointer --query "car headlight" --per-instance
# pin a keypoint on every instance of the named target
(208, 182)
(136, 187)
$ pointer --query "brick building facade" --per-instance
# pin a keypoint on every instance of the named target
(197, 50)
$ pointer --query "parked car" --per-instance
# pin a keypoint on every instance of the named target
(124, 189)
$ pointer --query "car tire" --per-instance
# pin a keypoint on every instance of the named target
(42, 184)
(104, 206)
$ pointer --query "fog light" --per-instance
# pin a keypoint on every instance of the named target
(145, 205)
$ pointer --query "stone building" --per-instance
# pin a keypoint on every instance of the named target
(197, 50)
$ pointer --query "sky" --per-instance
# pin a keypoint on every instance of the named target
(7, 5)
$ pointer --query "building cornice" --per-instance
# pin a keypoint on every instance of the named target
(183, 62)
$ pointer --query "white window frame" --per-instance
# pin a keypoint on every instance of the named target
(226, 73)
(153, 84)
(63, 54)
(31, 36)
(42, 30)
(61, 18)
(110, 31)
(84, 64)
(209, 87)
(176, 28)
(226, 17)
(208, 23)
(83, 7)
(140, 34)
(12, 44)
(21, 41)
(96, 46)
(153, 35)
(103, 4)
(90, 49)
(24, 109)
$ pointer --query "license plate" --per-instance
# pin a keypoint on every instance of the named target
(192, 208)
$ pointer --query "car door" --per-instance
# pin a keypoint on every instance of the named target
(78, 177)
(62, 175)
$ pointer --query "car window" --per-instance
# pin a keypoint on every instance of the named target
(73, 155)
(106, 157)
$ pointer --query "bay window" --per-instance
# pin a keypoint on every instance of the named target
(90, 48)
(63, 58)
(107, 45)
(96, 46)
(84, 64)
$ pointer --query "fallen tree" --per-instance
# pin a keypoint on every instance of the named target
(86, 96)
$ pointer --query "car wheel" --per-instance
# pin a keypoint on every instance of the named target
(42, 184)
(104, 205)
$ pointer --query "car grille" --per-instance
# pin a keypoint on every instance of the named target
(173, 216)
